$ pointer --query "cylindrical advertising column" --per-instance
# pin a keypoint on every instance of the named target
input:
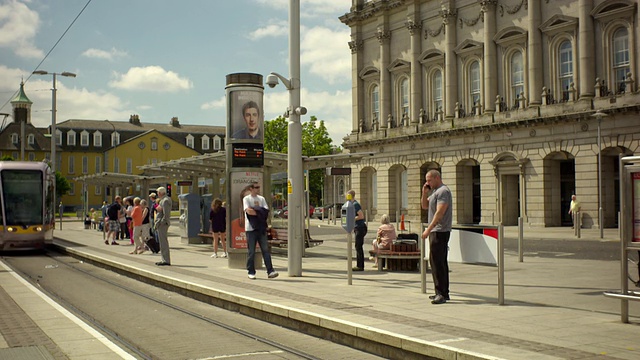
(244, 148)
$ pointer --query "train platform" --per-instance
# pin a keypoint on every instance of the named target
(554, 307)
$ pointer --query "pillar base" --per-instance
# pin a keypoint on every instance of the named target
(238, 259)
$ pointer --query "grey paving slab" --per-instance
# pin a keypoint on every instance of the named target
(554, 305)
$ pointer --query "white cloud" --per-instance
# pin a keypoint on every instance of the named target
(274, 29)
(104, 54)
(18, 28)
(310, 8)
(335, 109)
(214, 104)
(150, 78)
(326, 53)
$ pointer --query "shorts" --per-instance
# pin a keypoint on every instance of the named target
(114, 225)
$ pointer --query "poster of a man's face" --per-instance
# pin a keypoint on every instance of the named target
(247, 118)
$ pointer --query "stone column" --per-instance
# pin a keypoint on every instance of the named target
(357, 86)
(534, 52)
(586, 50)
(384, 35)
(415, 26)
(450, 62)
(490, 61)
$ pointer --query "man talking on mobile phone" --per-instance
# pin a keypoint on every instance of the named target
(436, 197)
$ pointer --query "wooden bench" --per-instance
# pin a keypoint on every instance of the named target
(279, 237)
(403, 256)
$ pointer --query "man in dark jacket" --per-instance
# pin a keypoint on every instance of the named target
(256, 212)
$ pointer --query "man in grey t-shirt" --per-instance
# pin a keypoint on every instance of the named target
(436, 197)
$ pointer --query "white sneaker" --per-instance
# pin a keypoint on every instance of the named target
(224, 255)
(272, 275)
(214, 255)
(252, 276)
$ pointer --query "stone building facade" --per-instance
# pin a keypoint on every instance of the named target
(500, 96)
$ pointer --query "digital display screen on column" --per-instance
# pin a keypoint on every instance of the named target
(247, 155)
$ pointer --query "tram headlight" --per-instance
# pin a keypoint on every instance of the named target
(38, 228)
(11, 229)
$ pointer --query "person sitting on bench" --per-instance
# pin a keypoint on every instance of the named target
(386, 235)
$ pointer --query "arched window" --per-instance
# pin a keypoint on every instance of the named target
(375, 103)
(436, 92)
(565, 62)
(517, 77)
(474, 86)
(620, 58)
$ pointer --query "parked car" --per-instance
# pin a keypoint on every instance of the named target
(325, 211)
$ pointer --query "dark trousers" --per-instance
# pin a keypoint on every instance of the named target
(254, 237)
(360, 231)
(438, 251)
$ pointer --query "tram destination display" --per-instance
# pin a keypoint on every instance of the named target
(248, 155)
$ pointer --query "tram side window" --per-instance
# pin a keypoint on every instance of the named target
(22, 192)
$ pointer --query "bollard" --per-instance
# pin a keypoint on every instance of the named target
(578, 224)
(500, 264)
(520, 239)
(423, 261)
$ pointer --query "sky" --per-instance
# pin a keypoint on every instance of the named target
(165, 58)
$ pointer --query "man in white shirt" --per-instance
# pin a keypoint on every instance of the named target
(256, 212)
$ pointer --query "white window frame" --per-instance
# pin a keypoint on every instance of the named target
(84, 138)
(154, 144)
(129, 166)
(189, 141)
(116, 165)
(403, 101)
(516, 77)
(97, 190)
(620, 47)
(374, 100)
(15, 139)
(71, 166)
(98, 164)
(565, 69)
(58, 137)
(217, 143)
(115, 138)
(205, 142)
(436, 91)
(71, 138)
(72, 188)
(85, 164)
(31, 139)
(473, 85)
(97, 139)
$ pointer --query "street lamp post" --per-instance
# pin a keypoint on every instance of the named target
(599, 115)
(115, 146)
(53, 120)
(294, 133)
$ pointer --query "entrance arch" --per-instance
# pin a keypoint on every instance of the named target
(398, 191)
(611, 183)
(559, 183)
(509, 169)
(468, 197)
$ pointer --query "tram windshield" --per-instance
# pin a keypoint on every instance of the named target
(22, 195)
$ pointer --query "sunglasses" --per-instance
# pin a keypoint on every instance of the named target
(255, 187)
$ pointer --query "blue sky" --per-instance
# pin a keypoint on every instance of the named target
(166, 58)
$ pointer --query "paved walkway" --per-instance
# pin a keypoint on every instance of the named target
(554, 307)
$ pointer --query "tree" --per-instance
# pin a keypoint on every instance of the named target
(315, 141)
(62, 185)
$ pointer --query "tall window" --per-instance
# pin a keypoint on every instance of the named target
(517, 77)
(129, 166)
(565, 60)
(375, 103)
(58, 137)
(205, 142)
(154, 144)
(404, 196)
(31, 139)
(436, 91)
(217, 143)
(97, 139)
(404, 98)
(14, 139)
(190, 141)
(84, 138)
(98, 164)
(71, 138)
(474, 85)
(85, 165)
(72, 188)
(620, 58)
(97, 190)
(72, 165)
(116, 165)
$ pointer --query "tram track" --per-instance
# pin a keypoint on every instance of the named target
(102, 279)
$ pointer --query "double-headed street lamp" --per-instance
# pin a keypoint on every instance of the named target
(53, 120)
(294, 133)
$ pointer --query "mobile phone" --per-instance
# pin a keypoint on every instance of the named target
(427, 186)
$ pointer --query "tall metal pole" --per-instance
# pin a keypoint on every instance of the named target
(294, 142)
(599, 115)
(53, 132)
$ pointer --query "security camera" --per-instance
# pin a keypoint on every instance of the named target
(272, 80)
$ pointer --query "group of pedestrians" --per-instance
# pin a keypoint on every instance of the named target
(436, 198)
